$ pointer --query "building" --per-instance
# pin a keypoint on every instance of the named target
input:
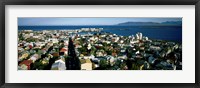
(58, 65)
(63, 51)
(26, 64)
(34, 57)
(86, 64)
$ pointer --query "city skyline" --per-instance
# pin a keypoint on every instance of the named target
(53, 21)
(100, 43)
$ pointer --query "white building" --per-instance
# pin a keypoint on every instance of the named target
(155, 48)
(58, 65)
(139, 36)
(54, 40)
(35, 57)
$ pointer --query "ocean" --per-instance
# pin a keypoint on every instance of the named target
(169, 33)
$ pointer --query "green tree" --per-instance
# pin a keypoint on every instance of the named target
(103, 63)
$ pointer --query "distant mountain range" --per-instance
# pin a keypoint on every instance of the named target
(167, 23)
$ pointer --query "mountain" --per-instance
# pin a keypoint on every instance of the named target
(167, 23)
(172, 22)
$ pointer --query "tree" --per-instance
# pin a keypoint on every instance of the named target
(21, 36)
(82, 50)
(31, 39)
(103, 63)
(93, 50)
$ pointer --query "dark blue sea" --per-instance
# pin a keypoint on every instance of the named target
(170, 33)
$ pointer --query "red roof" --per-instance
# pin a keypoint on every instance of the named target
(30, 46)
(63, 50)
(26, 62)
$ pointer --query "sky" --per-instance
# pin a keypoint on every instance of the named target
(86, 21)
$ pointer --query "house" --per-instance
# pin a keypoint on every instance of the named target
(22, 67)
(55, 54)
(111, 59)
(34, 57)
(63, 51)
(26, 64)
(123, 57)
(54, 40)
(58, 65)
(24, 56)
(89, 57)
(99, 53)
(86, 64)
(155, 48)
